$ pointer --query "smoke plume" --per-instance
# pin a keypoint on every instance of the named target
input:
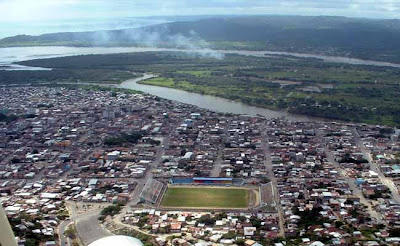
(159, 36)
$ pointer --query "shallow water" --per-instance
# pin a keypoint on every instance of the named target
(16, 54)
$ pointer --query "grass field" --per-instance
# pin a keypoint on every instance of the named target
(205, 197)
(196, 73)
(160, 81)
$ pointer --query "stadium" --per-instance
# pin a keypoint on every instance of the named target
(201, 193)
(206, 181)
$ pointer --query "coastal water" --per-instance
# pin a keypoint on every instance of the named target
(15, 54)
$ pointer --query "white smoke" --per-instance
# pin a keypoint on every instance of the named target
(159, 37)
(194, 44)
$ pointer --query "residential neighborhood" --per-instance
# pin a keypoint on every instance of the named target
(70, 158)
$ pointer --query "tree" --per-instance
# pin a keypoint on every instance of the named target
(70, 232)
(240, 241)
(395, 232)
(206, 219)
(338, 223)
(111, 210)
(229, 235)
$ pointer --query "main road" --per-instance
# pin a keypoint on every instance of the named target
(350, 181)
(87, 225)
(271, 176)
(89, 228)
(64, 241)
(374, 167)
(135, 195)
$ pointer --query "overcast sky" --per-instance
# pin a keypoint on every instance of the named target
(38, 10)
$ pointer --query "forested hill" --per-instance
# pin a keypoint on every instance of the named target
(362, 38)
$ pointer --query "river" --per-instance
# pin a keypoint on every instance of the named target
(207, 102)
(8, 56)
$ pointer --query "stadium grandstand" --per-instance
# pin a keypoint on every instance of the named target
(204, 180)
(152, 191)
(211, 180)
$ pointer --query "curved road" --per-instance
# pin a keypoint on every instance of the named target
(87, 226)
(61, 229)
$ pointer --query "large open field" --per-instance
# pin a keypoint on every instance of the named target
(209, 197)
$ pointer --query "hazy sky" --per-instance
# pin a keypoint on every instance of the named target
(38, 10)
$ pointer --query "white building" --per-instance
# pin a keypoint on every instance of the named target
(117, 240)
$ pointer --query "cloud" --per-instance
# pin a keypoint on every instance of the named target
(23, 10)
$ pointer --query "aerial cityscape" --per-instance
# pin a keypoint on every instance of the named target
(101, 162)
(225, 125)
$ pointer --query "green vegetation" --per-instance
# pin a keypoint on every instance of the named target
(124, 139)
(110, 211)
(348, 159)
(196, 73)
(310, 217)
(394, 232)
(7, 118)
(146, 239)
(71, 232)
(205, 197)
(61, 75)
(95, 87)
(32, 239)
(304, 86)
(166, 82)
(362, 38)
(206, 219)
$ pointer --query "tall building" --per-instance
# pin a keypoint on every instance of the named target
(7, 237)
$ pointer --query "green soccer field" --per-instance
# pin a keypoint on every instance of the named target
(205, 197)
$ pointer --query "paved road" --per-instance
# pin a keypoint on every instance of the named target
(271, 176)
(135, 195)
(353, 187)
(217, 165)
(64, 241)
(374, 167)
(87, 224)
(350, 181)
(89, 228)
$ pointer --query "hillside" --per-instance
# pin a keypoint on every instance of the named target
(361, 38)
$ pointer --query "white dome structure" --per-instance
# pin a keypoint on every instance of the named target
(117, 240)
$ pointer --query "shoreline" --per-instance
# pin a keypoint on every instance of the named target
(98, 50)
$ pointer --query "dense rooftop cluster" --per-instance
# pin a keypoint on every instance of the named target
(319, 183)
(327, 187)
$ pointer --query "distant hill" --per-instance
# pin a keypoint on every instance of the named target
(361, 38)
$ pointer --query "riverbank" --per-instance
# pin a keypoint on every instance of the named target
(15, 53)
(297, 85)
(10, 55)
(292, 111)
(208, 102)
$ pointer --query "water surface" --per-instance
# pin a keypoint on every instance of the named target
(17, 54)
(207, 102)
